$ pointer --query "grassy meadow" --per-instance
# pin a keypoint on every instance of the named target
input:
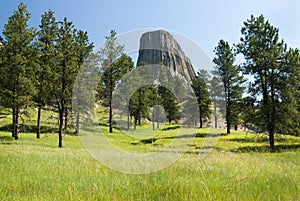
(238, 168)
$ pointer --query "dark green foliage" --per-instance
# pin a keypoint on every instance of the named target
(41, 66)
(145, 96)
(114, 65)
(170, 103)
(289, 113)
(140, 103)
(203, 97)
(171, 90)
(149, 96)
(273, 69)
(155, 100)
(65, 72)
(17, 68)
(47, 36)
(230, 75)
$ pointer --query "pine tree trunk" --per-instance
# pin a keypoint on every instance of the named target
(60, 129)
(201, 122)
(77, 122)
(110, 113)
(16, 126)
(228, 127)
(272, 121)
(38, 130)
(13, 122)
(135, 122)
(128, 121)
(66, 119)
(228, 117)
(153, 126)
(272, 145)
(215, 114)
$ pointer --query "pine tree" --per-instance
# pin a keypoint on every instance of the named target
(231, 79)
(83, 50)
(139, 105)
(171, 92)
(264, 54)
(17, 69)
(114, 64)
(203, 97)
(65, 72)
(46, 59)
(83, 97)
(170, 104)
(155, 103)
(217, 96)
(140, 101)
(289, 110)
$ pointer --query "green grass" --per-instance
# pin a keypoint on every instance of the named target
(34, 169)
(239, 168)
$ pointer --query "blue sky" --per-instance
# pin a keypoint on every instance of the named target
(204, 22)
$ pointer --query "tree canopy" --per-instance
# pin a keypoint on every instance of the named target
(272, 68)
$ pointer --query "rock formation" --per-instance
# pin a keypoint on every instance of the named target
(159, 47)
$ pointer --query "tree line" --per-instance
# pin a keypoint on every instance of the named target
(38, 67)
(263, 90)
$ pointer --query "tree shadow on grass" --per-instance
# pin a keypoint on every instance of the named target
(266, 148)
(28, 128)
(6, 127)
(103, 124)
(196, 135)
(257, 139)
(171, 127)
(149, 141)
(248, 140)
(6, 140)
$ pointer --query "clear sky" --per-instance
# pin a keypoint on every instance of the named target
(204, 22)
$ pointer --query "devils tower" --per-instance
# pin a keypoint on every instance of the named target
(160, 47)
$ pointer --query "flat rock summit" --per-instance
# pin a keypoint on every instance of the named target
(160, 47)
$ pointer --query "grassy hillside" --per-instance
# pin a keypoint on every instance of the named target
(239, 168)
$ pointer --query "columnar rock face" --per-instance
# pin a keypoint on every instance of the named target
(159, 47)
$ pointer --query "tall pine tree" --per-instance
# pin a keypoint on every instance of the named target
(114, 64)
(17, 69)
(83, 50)
(65, 71)
(47, 36)
(231, 79)
(264, 54)
(289, 111)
